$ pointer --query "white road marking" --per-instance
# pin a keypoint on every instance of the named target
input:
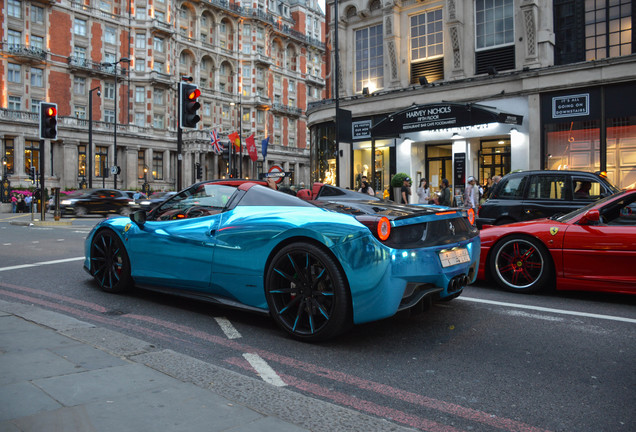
(18, 267)
(557, 311)
(227, 328)
(264, 370)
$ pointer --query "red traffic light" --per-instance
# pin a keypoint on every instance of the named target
(194, 94)
(51, 111)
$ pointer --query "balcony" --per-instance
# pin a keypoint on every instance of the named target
(160, 78)
(263, 59)
(161, 27)
(315, 80)
(289, 110)
(82, 64)
(24, 53)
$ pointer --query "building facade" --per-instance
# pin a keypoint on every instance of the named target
(114, 66)
(458, 88)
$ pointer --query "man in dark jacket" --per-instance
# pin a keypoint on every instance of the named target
(445, 198)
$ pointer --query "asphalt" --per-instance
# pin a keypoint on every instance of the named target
(61, 374)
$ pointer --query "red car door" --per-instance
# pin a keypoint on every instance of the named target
(604, 254)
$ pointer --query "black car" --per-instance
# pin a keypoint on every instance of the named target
(154, 200)
(526, 195)
(99, 201)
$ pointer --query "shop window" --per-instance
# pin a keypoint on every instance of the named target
(573, 145)
(369, 58)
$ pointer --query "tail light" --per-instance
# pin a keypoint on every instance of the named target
(381, 227)
(384, 228)
(471, 216)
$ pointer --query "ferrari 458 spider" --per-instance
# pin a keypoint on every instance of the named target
(589, 249)
(315, 266)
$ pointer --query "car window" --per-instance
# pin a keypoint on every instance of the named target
(511, 188)
(622, 212)
(550, 187)
(200, 200)
(586, 188)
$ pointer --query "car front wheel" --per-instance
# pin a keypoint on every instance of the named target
(110, 265)
(307, 293)
(521, 264)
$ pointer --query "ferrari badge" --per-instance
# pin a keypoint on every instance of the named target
(554, 230)
(127, 227)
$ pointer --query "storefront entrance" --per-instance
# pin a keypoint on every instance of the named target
(494, 159)
(439, 165)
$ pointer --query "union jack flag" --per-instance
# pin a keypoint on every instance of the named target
(216, 142)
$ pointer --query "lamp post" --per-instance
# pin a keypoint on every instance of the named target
(5, 185)
(90, 134)
(146, 187)
(240, 127)
(114, 65)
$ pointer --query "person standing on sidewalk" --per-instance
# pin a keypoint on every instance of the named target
(471, 194)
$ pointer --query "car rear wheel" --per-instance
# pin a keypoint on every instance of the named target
(110, 265)
(80, 211)
(307, 293)
(521, 264)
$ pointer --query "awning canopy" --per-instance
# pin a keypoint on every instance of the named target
(440, 116)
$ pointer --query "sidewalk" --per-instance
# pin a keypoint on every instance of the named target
(61, 374)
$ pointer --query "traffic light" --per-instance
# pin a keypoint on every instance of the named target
(48, 120)
(199, 170)
(32, 174)
(188, 95)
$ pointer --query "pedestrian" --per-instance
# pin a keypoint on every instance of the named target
(423, 192)
(366, 189)
(471, 194)
(20, 206)
(487, 188)
(405, 191)
(445, 198)
(28, 200)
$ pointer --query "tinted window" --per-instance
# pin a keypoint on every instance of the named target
(551, 187)
(586, 188)
(201, 200)
(511, 188)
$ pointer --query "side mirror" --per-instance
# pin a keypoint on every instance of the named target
(139, 217)
(591, 217)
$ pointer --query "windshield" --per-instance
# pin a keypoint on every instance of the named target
(569, 216)
(199, 200)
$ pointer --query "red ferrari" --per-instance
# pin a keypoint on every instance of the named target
(590, 249)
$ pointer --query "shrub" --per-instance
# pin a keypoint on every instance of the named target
(398, 179)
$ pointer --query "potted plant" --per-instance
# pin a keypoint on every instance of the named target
(396, 183)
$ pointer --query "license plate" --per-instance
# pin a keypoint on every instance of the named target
(454, 257)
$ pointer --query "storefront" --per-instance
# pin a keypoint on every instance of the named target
(592, 129)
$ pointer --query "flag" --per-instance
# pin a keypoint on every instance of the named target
(251, 148)
(216, 142)
(234, 139)
(264, 145)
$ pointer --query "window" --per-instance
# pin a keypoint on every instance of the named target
(37, 42)
(140, 119)
(140, 13)
(80, 112)
(512, 188)
(37, 79)
(158, 96)
(109, 116)
(550, 187)
(109, 91)
(139, 94)
(37, 14)
(207, 109)
(31, 155)
(110, 35)
(15, 103)
(105, 6)
(608, 29)
(157, 121)
(157, 44)
(14, 39)
(140, 41)
(158, 66)
(14, 73)
(494, 23)
(101, 161)
(79, 27)
(141, 163)
(79, 53)
(427, 36)
(79, 86)
(160, 16)
(140, 65)
(369, 58)
(14, 8)
(9, 151)
(157, 165)
(35, 105)
(81, 160)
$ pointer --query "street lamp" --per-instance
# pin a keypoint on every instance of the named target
(90, 134)
(145, 187)
(114, 65)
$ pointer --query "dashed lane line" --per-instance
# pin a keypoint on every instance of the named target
(264, 370)
(228, 328)
(22, 266)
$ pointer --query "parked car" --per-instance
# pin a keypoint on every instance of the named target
(590, 249)
(316, 267)
(527, 195)
(97, 201)
(156, 198)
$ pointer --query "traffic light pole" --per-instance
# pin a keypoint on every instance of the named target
(179, 157)
(42, 205)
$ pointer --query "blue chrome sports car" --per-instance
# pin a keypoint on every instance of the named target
(315, 266)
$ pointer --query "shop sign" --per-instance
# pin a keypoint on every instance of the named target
(571, 106)
(361, 129)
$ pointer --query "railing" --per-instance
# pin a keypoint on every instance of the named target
(25, 51)
(80, 62)
(287, 109)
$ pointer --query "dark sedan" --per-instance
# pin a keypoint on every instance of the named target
(97, 201)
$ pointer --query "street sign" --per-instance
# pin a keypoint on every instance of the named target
(276, 171)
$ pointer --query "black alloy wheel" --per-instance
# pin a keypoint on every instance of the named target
(307, 293)
(110, 265)
(521, 264)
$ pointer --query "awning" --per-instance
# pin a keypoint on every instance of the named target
(440, 116)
